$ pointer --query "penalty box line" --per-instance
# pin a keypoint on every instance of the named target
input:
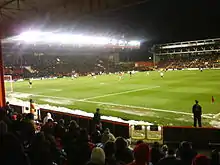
(119, 93)
(120, 105)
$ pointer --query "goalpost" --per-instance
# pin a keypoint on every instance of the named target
(8, 84)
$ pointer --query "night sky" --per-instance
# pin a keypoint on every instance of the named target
(161, 21)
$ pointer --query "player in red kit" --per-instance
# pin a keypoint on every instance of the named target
(213, 99)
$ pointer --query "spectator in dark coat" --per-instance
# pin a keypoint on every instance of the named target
(11, 151)
(80, 150)
(215, 157)
(123, 153)
(170, 159)
(49, 127)
(155, 153)
(186, 153)
(40, 151)
(110, 154)
(96, 136)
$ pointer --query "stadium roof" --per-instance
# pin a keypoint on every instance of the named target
(20, 13)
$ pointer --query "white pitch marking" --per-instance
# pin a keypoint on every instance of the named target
(121, 105)
(119, 93)
(217, 115)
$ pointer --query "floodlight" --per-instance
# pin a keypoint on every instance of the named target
(70, 39)
(134, 43)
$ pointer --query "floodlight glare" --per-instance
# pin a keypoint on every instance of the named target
(71, 39)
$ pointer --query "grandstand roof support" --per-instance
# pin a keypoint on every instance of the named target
(2, 85)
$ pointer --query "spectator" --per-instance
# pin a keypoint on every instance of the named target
(97, 157)
(186, 153)
(110, 154)
(12, 151)
(141, 155)
(96, 136)
(170, 159)
(80, 149)
(9, 110)
(28, 128)
(164, 149)
(49, 127)
(215, 158)
(155, 153)
(40, 152)
(107, 136)
(201, 160)
(123, 153)
(47, 117)
(139, 142)
(60, 129)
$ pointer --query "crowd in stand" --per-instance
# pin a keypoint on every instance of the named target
(204, 61)
(27, 142)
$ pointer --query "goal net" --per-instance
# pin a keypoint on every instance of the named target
(8, 84)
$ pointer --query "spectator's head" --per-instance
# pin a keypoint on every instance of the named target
(98, 156)
(120, 144)
(83, 136)
(164, 149)
(201, 160)
(73, 125)
(141, 153)
(30, 116)
(7, 103)
(97, 110)
(171, 152)
(197, 102)
(156, 145)
(185, 151)
(109, 148)
(139, 142)
(107, 131)
(61, 122)
(50, 122)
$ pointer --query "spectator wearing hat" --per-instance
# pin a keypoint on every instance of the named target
(46, 118)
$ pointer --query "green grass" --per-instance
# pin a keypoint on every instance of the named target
(176, 92)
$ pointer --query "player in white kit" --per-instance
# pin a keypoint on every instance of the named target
(161, 74)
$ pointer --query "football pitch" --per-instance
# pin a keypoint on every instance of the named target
(165, 101)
